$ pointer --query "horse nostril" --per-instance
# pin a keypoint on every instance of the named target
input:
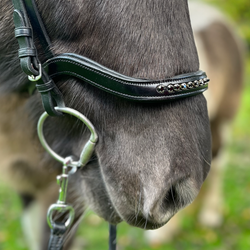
(159, 204)
(179, 195)
(171, 198)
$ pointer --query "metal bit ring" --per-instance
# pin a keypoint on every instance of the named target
(89, 146)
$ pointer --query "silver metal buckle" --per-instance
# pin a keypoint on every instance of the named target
(33, 78)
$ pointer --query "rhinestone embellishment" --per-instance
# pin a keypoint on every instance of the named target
(160, 88)
(171, 88)
(196, 84)
(183, 86)
(190, 85)
(177, 87)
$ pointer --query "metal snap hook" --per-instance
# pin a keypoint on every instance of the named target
(61, 208)
(89, 146)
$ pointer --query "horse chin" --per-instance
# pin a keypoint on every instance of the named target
(104, 204)
(148, 207)
(154, 213)
(146, 224)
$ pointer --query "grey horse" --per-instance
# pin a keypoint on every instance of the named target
(151, 159)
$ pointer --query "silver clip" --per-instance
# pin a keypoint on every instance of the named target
(61, 206)
(67, 162)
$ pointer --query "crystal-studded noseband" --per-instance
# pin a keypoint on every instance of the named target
(172, 88)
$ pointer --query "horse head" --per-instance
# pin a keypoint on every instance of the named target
(151, 158)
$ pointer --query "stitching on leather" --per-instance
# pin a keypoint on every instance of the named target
(131, 96)
(112, 78)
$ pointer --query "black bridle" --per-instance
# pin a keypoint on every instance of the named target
(80, 67)
(28, 23)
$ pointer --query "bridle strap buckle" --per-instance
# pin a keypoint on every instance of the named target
(33, 78)
(30, 64)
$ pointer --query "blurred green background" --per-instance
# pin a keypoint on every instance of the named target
(235, 230)
(239, 11)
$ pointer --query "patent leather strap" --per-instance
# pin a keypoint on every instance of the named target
(127, 87)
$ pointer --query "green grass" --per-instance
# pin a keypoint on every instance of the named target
(239, 11)
(11, 236)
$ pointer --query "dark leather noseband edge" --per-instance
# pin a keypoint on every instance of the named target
(127, 87)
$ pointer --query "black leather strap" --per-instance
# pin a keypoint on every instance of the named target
(51, 96)
(127, 87)
(39, 30)
(112, 237)
(89, 71)
(23, 33)
(57, 237)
